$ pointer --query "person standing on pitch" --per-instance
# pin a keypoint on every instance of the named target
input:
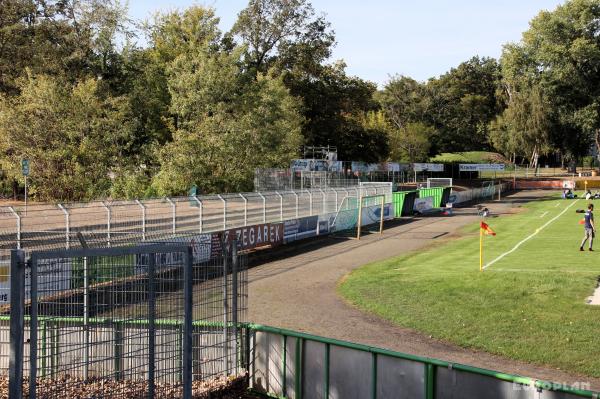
(590, 229)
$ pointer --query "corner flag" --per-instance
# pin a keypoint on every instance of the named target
(483, 229)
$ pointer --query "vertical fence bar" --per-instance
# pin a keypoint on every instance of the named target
(17, 323)
(234, 299)
(245, 209)
(326, 366)
(151, 324)
(173, 214)
(143, 208)
(118, 349)
(264, 207)
(296, 195)
(429, 381)
(284, 367)
(67, 225)
(324, 199)
(310, 209)
(33, 326)
(108, 220)
(199, 202)
(298, 369)
(374, 376)
(188, 295)
(86, 315)
(225, 307)
(18, 217)
(224, 211)
(280, 205)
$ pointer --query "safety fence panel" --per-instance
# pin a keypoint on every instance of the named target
(156, 320)
(296, 365)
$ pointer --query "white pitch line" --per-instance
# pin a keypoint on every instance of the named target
(557, 204)
(530, 236)
(544, 214)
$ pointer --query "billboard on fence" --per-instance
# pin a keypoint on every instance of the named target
(53, 275)
(260, 235)
(423, 204)
(478, 167)
(372, 214)
(428, 167)
(297, 229)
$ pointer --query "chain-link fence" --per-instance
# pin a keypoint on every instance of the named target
(146, 321)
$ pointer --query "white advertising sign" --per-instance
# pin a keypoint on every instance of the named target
(428, 167)
(478, 167)
(423, 204)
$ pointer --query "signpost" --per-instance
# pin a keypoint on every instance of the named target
(25, 170)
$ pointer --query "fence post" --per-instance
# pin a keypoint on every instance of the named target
(86, 315)
(143, 207)
(245, 209)
(264, 207)
(17, 323)
(310, 206)
(336, 199)
(108, 220)
(199, 212)
(324, 198)
(33, 326)
(188, 295)
(151, 324)
(18, 226)
(296, 194)
(280, 205)
(174, 214)
(67, 225)
(225, 308)
(429, 381)
(234, 299)
(224, 211)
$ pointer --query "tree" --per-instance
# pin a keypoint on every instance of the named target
(72, 135)
(411, 142)
(225, 122)
(284, 32)
(559, 56)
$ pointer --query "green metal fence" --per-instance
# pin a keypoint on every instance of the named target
(297, 365)
(403, 202)
(435, 192)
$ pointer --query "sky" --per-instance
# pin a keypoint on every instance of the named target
(379, 39)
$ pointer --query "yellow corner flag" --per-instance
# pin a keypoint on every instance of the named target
(483, 229)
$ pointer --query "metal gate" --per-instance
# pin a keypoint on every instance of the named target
(122, 322)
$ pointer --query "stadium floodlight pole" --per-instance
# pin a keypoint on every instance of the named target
(199, 202)
(174, 213)
(245, 209)
(224, 211)
(143, 208)
(67, 224)
(108, 217)
(12, 210)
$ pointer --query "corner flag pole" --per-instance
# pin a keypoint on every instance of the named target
(480, 249)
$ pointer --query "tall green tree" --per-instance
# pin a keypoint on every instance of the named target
(559, 56)
(73, 136)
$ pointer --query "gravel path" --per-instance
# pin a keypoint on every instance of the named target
(299, 291)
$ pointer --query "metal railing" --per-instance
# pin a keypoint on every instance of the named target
(116, 223)
(291, 364)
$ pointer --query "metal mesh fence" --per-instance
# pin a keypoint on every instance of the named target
(156, 320)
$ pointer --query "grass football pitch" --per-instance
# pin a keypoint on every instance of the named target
(529, 305)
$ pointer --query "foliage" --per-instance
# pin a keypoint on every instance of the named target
(469, 157)
(72, 135)
(411, 143)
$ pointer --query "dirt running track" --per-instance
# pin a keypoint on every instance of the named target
(299, 292)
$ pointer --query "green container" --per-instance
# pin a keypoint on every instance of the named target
(435, 192)
(399, 199)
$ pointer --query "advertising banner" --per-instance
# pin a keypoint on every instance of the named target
(423, 205)
(478, 167)
(260, 235)
(428, 167)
